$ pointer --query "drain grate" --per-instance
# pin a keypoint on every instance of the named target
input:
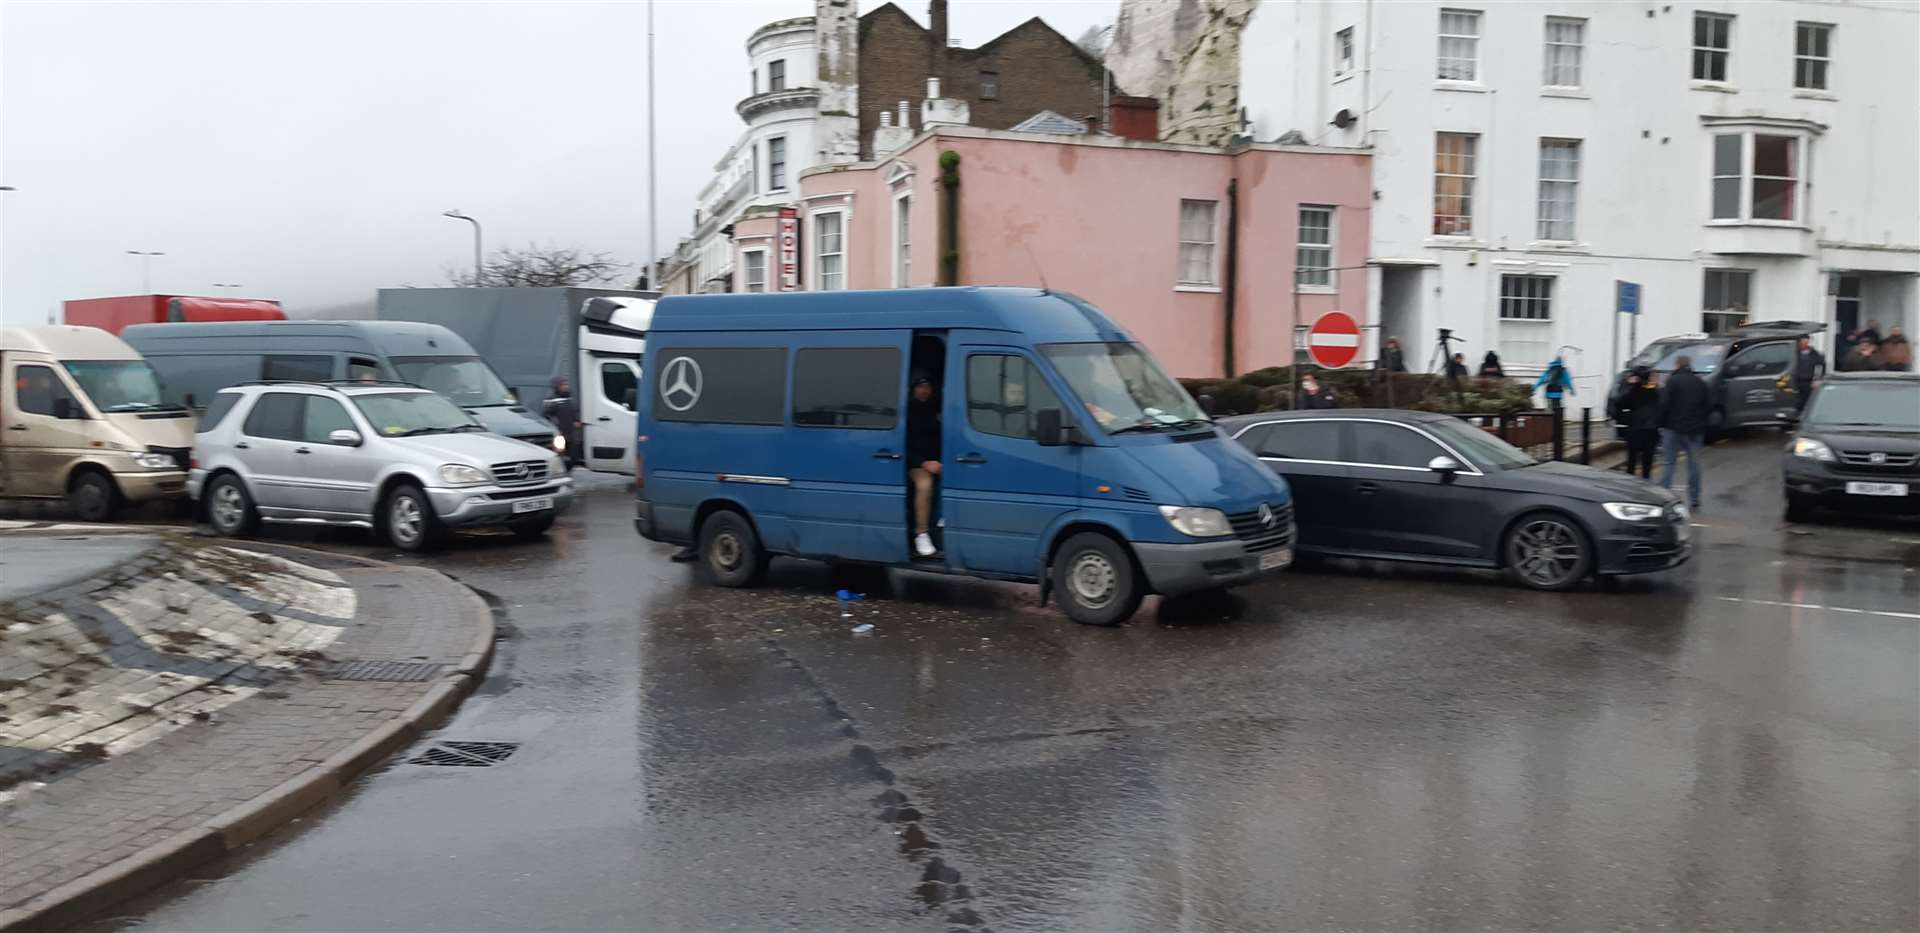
(466, 754)
(392, 672)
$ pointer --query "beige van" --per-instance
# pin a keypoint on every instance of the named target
(82, 418)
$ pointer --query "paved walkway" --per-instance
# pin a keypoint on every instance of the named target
(34, 564)
(348, 660)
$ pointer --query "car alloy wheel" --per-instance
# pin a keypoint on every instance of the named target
(228, 508)
(1546, 552)
(404, 520)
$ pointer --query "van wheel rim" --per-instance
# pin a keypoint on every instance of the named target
(88, 498)
(227, 507)
(726, 551)
(1545, 552)
(405, 519)
(1092, 579)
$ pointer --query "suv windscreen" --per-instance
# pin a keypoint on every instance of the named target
(1664, 355)
(407, 414)
(1883, 406)
(467, 380)
(118, 385)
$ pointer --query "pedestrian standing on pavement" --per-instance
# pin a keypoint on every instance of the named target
(1490, 367)
(564, 412)
(1809, 367)
(1638, 411)
(1457, 367)
(1391, 359)
(1897, 351)
(1314, 395)
(1864, 358)
(1684, 405)
(923, 459)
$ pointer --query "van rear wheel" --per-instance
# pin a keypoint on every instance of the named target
(93, 497)
(731, 550)
(1096, 581)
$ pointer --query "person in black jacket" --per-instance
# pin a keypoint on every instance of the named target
(1313, 396)
(1684, 407)
(1457, 367)
(1391, 359)
(1638, 410)
(1809, 367)
(561, 409)
(923, 459)
(1490, 367)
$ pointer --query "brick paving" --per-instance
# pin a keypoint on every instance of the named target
(291, 720)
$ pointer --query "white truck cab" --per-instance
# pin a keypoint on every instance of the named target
(613, 344)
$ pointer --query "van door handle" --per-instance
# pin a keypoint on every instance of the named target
(604, 418)
(303, 450)
(885, 454)
(17, 427)
(1367, 489)
(969, 458)
(241, 445)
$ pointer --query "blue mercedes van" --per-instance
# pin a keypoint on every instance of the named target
(778, 425)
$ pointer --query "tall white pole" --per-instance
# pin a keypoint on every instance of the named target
(653, 213)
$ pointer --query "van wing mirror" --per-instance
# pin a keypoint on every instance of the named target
(344, 438)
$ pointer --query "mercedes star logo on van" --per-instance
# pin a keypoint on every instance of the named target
(680, 383)
(1266, 515)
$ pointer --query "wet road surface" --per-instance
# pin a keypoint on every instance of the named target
(1729, 746)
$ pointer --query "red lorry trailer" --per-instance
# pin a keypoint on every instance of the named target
(116, 314)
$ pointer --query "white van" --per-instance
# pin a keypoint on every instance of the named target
(82, 418)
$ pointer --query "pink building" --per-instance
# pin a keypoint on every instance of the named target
(1181, 245)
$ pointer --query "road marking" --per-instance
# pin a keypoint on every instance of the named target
(1869, 612)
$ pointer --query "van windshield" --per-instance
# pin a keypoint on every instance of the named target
(407, 414)
(1122, 387)
(467, 380)
(119, 385)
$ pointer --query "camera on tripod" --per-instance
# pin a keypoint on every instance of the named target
(1446, 333)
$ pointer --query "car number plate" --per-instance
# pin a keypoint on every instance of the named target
(532, 505)
(1876, 489)
(1279, 558)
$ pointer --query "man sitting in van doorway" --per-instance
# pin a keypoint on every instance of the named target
(923, 459)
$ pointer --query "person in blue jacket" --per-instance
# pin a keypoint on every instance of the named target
(1558, 382)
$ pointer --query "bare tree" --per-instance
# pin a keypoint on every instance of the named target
(538, 267)
(1094, 41)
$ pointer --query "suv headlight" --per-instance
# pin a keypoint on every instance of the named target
(153, 461)
(1812, 450)
(1197, 523)
(459, 474)
(1633, 511)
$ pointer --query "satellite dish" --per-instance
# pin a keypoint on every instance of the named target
(1343, 119)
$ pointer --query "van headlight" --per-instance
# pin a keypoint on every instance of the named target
(1633, 511)
(1812, 450)
(560, 443)
(1197, 523)
(153, 461)
(459, 474)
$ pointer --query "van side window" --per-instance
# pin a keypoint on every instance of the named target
(721, 385)
(325, 416)
(1003, 392)
(202, 375)
(35, 389)
(1767, 359)
(297, 368)
(277, 415)
(217, 409)
(857, 387)
(617, 383)
(360, 370)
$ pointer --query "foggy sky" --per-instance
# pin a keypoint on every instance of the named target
(306, 150)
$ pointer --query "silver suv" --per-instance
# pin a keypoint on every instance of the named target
(392, 457)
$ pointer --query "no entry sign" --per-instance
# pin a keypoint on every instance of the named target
(1334, 340)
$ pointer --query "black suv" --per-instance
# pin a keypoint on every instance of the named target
(1858, 447)
(1748, 370)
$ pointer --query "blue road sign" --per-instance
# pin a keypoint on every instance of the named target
(1626, 297)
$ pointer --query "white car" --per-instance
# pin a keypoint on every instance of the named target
(391, 457)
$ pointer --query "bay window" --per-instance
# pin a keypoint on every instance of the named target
(1758, 176)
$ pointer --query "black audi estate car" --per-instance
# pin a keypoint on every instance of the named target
(1383, 484)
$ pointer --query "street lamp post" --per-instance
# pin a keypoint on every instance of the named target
(456, 215)
(227, 285)
(146, 268)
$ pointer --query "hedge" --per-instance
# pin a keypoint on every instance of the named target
(1270, 389)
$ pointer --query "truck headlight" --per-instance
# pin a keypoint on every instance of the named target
(1633, 511)
(153, 461)
(560, 443)
(459, 474)
(1197, 523)
(1812, 450)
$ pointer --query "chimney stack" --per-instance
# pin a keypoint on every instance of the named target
(905, 121)
(937, 61)
(886, 119)
(933, 88)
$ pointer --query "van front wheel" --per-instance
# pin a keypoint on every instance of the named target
(93, 497)
(1096, 580)
(731, 550)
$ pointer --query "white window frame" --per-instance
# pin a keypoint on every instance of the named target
(1472, 40)
(1801, 160)
(903, 241)
(782, 140)
(1212, 243)
(1343, 52)
(1825, 30)
(1473, 183)
(776, 76)
(1549, 77)
(1568, 182)
(1327, 283)
(746, 269)
(1705, 312)
(1724, 51)
(1536, 328)
(814, 281)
